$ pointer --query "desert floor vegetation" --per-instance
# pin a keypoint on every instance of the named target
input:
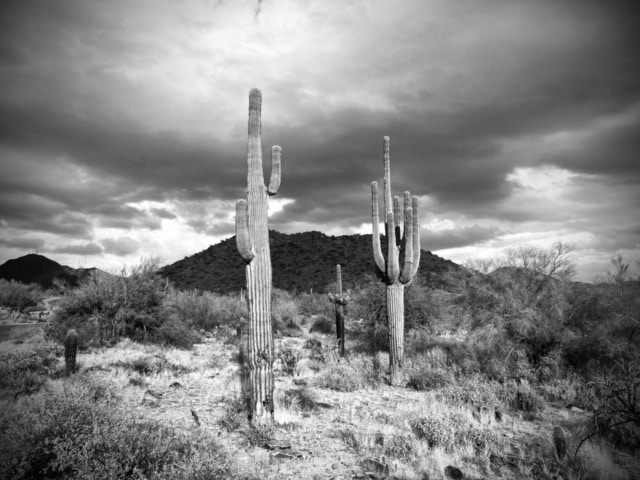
(499, 384)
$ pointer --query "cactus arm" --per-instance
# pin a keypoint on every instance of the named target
(375, 222)
(393, 267)
(416, 236)
(243, 241)
(274, 181)
(407, 269)
(396, 216)
(332, 298)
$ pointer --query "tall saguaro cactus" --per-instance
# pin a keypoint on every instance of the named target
(340, 302)
(252, 239)
(401, 245)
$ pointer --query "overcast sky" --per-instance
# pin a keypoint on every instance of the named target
(123, 123)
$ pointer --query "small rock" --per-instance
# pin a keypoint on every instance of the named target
(175, 385)
(577, 409)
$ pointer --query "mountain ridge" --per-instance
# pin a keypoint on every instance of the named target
(41, 270)
(300, 262)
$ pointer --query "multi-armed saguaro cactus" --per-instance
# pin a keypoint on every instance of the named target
(70, 350)
(400, 245)
(340, 301)
(252, 239)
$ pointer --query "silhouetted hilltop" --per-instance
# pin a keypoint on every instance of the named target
(300, 261)
(38, 269)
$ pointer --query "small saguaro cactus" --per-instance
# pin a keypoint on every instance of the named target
(70, 350)
(400, 245)
(252, 240)
(340, 302)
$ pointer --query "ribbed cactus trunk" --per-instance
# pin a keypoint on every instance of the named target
(405, 244)
(252, 238)
(340, 302)
(70, 350)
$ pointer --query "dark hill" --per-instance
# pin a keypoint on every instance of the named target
(300, 262)
(38, 269)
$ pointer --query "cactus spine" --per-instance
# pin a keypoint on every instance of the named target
(70, 350)
(252, 240)
(340, 302)
(400, 245)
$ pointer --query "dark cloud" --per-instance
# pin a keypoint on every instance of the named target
(22, 243)
(162, 213)
(104, 106)
(458, 237)
(86, 249)
(120, 246)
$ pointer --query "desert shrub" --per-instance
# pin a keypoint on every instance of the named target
(322, 351)
(284, 310)
(18, 297)
(106, 307)
(204, 310)
(152, 364)
(429, 380)
(520, 397)
(351, 374)
(235, 415)
(473, 391)
(482, 440)
(398, 446)
(300, 399)
(289, 357)
(21, 372)
(368, 307)
(618, 415)
(310, 304)
(562, 390)
(436, 431)
(177, 334)
(582, 352)
(78, 430)
(323, 324)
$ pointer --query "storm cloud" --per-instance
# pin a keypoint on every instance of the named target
(123, 124)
